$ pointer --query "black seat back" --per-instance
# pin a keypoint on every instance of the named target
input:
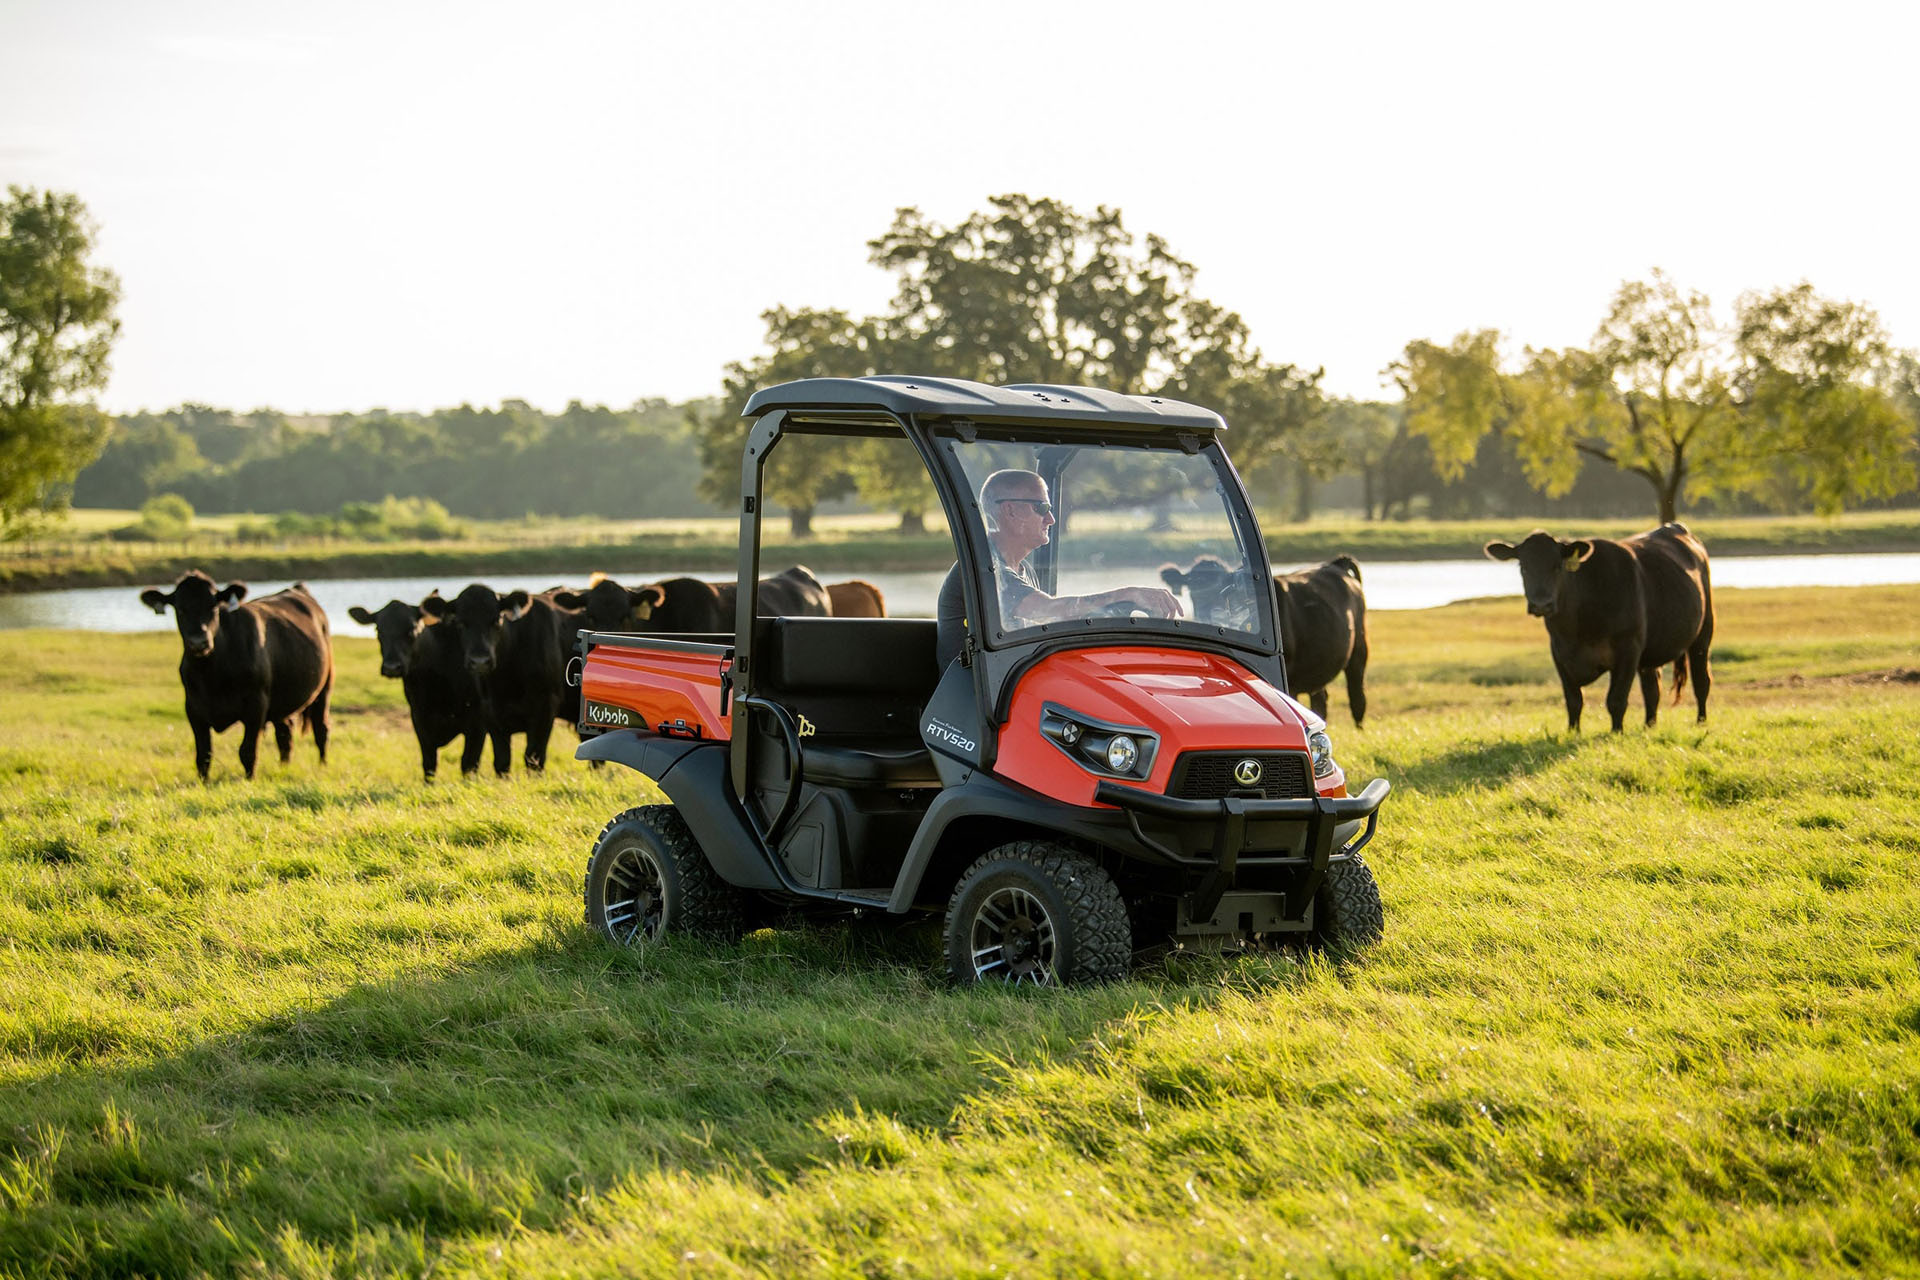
(853, 678)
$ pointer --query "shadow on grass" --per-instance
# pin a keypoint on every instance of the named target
(463, 1102)
(1481, 764)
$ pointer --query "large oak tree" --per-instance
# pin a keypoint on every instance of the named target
(1024, 290)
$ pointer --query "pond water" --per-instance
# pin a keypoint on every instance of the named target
(1390, 584)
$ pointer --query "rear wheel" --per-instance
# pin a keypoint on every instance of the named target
(1037, 913)
(1347, 910)
(647, 877)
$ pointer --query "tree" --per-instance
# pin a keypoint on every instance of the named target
(1031, 290)
(1366, 431)
(1273, 411)
(57, 328)
(806, 470)
(1791, 403)
(1026, 290)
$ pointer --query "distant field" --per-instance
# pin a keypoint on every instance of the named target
(842, 544)
(1648, 1004)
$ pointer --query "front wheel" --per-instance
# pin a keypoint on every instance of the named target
(1039, 913)
(1347, 910)
(647, 877)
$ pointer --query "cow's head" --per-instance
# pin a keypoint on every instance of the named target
(197, 608)
(1220, 595)
(478, 615)
(395, 624)
(1543, 560)
(607, 606)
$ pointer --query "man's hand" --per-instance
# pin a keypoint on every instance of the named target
(1157, 601)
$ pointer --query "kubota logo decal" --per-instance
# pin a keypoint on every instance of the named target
(1247, 772)
(601, 713)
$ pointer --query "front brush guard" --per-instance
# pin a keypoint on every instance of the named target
(1229, 818)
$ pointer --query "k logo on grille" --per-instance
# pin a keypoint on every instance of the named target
(1247, 772)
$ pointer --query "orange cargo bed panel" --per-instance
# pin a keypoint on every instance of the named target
(662, 690)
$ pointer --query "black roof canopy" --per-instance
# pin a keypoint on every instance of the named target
(897, 394)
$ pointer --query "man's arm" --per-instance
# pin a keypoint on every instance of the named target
(1037, 606)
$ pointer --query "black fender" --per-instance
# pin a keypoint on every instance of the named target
(693, 773)
(983, 795)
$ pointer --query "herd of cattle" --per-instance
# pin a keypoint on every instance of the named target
(486, 667)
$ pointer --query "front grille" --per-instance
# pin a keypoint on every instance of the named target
(1208, 775)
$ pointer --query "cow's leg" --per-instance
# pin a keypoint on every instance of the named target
(1357, 682)
(1620, 688)
(1702, 678)
(1570, 690)
(283, 738)
(502, 751)
(1650, 692)
(1318, 701)
(471, 743)
(538, 735)
(319, 716)
(251, 723)
(202, 742)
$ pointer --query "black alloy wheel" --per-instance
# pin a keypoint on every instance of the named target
(1014, 939)
(1037, 913)
(635, 895)
(647, 877)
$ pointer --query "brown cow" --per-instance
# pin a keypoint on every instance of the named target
(1323, 622)
(1621, 607)
(251, 661)
(856, 599)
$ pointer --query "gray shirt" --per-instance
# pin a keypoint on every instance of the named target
(950, 612)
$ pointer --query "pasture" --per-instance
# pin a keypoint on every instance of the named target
(1647, 1004)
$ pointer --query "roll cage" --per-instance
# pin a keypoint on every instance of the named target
(936, 415)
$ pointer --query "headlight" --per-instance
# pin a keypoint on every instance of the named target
(1321, 748)
(1124, 750)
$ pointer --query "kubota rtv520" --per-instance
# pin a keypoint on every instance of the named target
(1070, 763)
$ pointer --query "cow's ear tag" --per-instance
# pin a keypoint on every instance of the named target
(228, 606)
(643, 610)
(1572, 563)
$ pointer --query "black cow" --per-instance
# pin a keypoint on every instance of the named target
(1621, 607)
(428, 659)
(569, 620)
(511, 647)
(606, 605)
(691, 605)
(252, 661)
(1323, 622)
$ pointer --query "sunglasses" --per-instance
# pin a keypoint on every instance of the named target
(1041, 505)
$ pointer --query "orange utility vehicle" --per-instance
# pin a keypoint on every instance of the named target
(1071, 762)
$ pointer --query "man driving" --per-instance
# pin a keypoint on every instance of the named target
(1019, 519)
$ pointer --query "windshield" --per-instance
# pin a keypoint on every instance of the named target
(1085, 533)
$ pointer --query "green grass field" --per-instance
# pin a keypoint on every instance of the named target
(1647, 1005)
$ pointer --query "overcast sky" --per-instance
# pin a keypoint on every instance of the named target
(347, 205)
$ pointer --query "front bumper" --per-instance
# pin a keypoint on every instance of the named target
(1314, 831)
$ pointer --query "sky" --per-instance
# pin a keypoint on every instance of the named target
(329, 208)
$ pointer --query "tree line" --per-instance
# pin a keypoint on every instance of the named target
(488, 463)
(1795, 401)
